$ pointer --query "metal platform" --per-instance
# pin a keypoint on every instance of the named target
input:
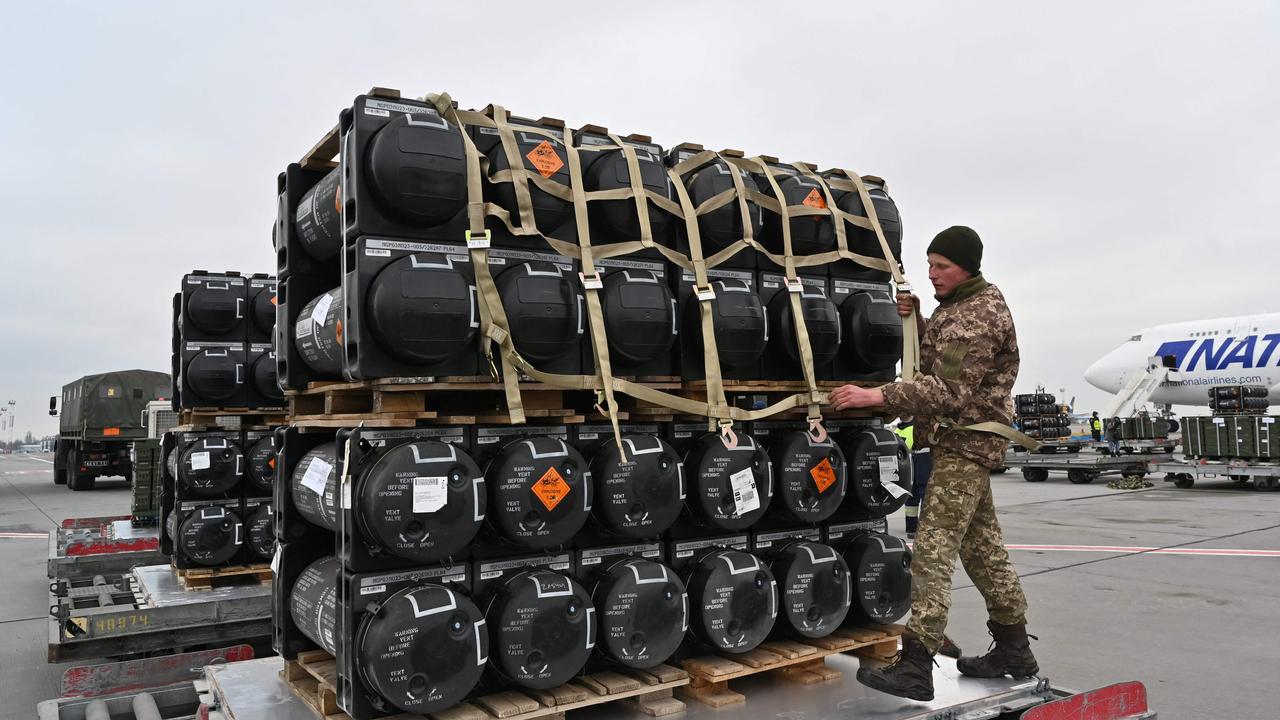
(94, 546)
(253, 690)
(1184, 473)
(148, 609)
(1080, 468)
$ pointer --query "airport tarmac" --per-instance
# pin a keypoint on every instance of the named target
(1176, 588)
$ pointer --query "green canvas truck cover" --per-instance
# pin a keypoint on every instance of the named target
(110, 404)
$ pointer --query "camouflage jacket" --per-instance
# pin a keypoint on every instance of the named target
(968, 363)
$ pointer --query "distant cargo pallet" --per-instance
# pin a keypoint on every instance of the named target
(1184, 474)
(1081, 469)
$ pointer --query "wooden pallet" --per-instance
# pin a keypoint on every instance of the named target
(313, 677)
(800, 662)
(211, 418)
(210, 578)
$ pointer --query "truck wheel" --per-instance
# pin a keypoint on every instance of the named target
(60, 467)
(75, 480)
(1035, 474)
(1183, 481)
(1260, 483)
(1080, 477)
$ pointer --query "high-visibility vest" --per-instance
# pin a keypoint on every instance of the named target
(908, 435)
(1095, 424)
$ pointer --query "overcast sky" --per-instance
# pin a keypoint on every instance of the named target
(1120, 160)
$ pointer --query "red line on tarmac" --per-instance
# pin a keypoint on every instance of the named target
(1215, 552)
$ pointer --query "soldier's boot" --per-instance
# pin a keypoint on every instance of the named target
(910, 675)
(1009, 654)
(949, 648)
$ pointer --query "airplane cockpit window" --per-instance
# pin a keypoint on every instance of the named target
(1135, 338)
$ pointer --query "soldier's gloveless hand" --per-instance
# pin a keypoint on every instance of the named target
(908, 304)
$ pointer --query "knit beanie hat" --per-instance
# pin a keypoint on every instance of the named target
(961, 245)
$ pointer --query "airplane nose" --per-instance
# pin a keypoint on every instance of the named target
(1097, 376)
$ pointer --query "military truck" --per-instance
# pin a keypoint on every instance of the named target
(101, 416)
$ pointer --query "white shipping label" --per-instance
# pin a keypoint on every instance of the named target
(889, 475)
(317, 475)
(429, 494)
(200, 461)
(321, 309)
(745, 496)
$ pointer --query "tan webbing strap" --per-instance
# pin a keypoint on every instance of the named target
(795, 291)
(493, 317)
(637, 190)
(1000, 429)
(591, 285)
(519, 173)
(717, 406)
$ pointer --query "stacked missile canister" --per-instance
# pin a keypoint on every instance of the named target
(1238, 429)
(459, 254)
(219, 463)
(1040, 416)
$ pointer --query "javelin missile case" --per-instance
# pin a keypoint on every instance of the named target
(810, 234)
(539, 486)
(637, 499)
(782, 357)
(614, 221)
(724, 225)
(545, 307)
(540, 619)
(410, 641)
(870, 331)
(879, 471)
(641, 319)
(733, 598)
(864, 241)
(730, 484)
(814, 586)
(810, 476)
(641, 605)
(260, 300)
(741, 327)
(880, 566)
(545, 156)
(416, 497)
(201, 517)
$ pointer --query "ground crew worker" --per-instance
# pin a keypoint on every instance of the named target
(921, 467)
(1095, 426)
(1113, 436)
(968, 364)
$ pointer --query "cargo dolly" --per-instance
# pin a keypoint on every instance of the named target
(84, 547)
(1184, 474)
(1080, 469)
(255, 690)
(148, 609)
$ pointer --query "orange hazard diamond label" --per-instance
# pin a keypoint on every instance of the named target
(824, 476)
(545, 159)
(551, 489)
(815, 200)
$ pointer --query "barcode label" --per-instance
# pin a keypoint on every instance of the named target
(745, 496)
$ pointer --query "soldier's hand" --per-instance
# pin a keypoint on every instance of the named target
(908, 304)
(852, 397)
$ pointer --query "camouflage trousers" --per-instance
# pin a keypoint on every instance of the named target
(959, 519)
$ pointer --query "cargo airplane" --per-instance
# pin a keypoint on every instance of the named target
(1242, 350)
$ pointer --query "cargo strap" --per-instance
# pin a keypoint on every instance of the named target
(495, 327)
(995, 428)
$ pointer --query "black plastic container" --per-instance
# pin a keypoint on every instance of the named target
(881, 568)
(262, 389)
(730, 488)
(317, 252)
(782, 357)
(259, 529)
(810, 475)
(733, 598)
(640, 498)
(259, 448)
(545, 156)
(294, 458)
(410, 309)
(293, 368)
(870, 331)
(878, 460)
(641, 605)
(546, 310)
(814, 586)
(205, 533)
(614, 221)
(260, 301)
(641, 319)
(810, 234)
(540, 486)
(864, 241)
(206, 465)
(723, 226)
(740, 324)
(416, 497)
(541, 620)
(409, 642)
(214, 308)
(212, 374)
